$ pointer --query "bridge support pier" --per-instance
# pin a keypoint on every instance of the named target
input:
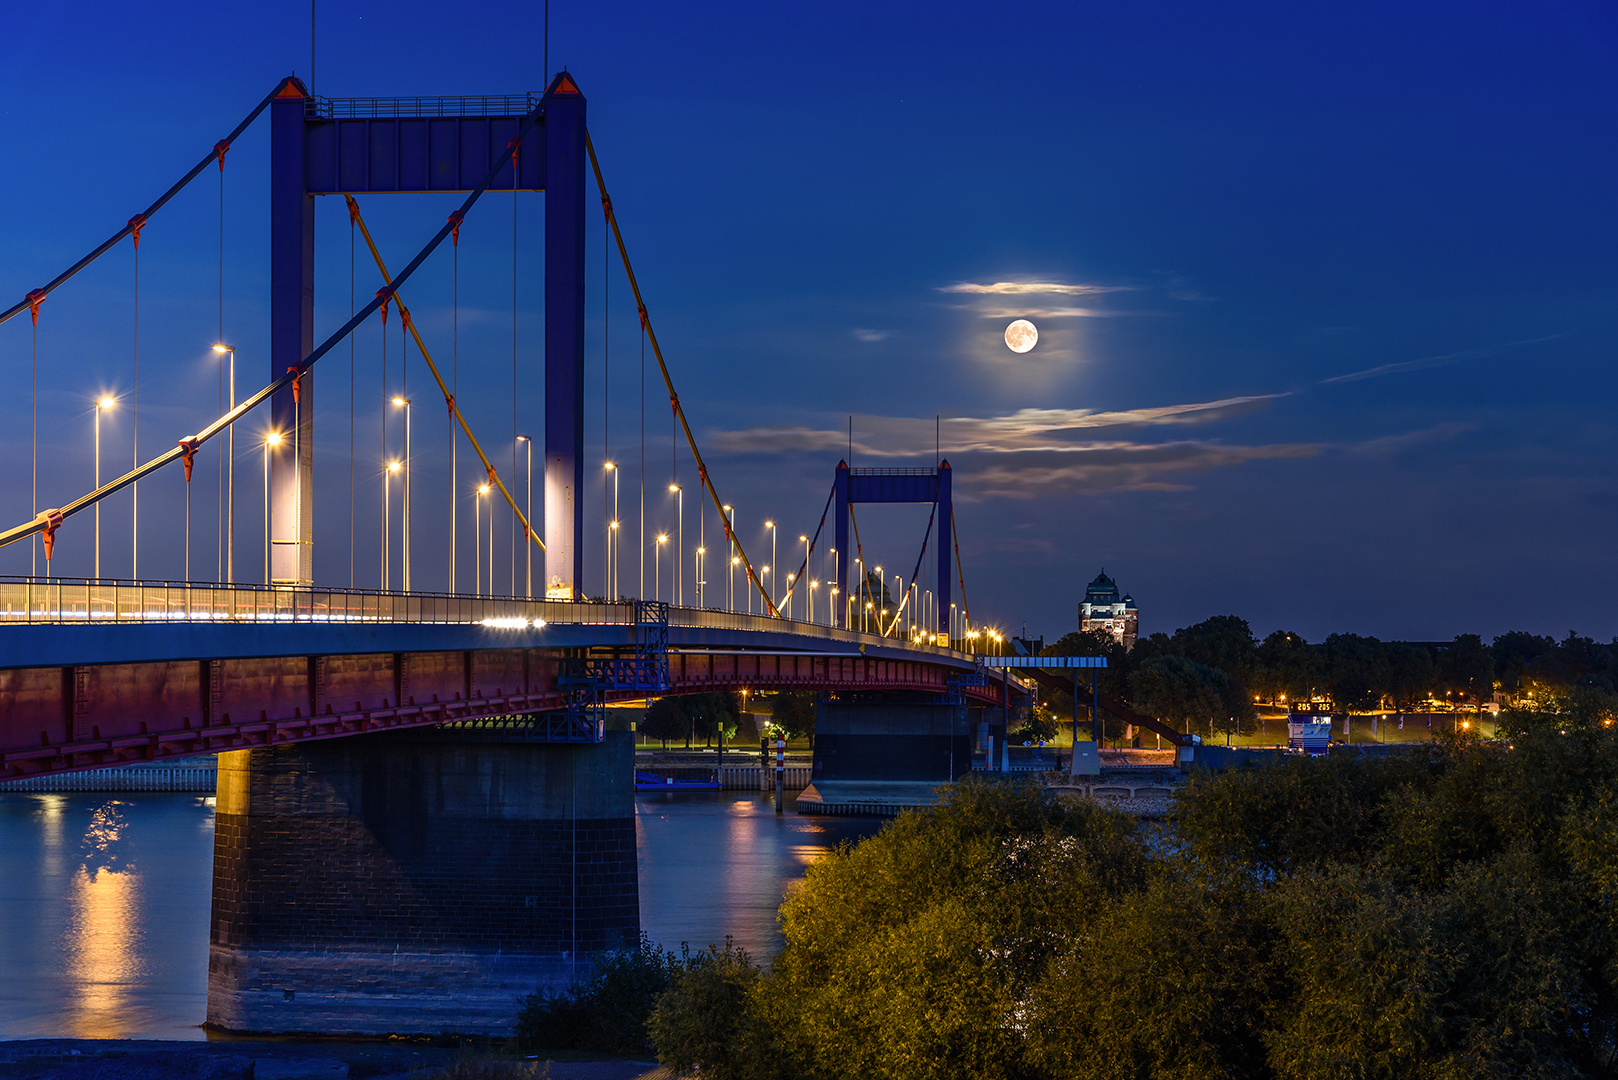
(415, 882)
(874, 756)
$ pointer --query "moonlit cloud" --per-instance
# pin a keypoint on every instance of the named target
(1023, 430)
(871, 336)
(1042, 313)
(1023, 288)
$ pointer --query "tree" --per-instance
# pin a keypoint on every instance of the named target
(1182, 691)
(1357, 674)
(665, 720)
(1225, 642)
(794, 712)
(1441, 913)
(1467, 668)
(1287, 666)
(1411, 674)
(708, 1019)
(713, 714)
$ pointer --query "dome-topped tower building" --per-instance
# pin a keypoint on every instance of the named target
(1104, 610)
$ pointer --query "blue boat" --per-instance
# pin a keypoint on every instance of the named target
(677, 780)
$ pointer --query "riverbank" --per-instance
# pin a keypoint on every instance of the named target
(280, 1059)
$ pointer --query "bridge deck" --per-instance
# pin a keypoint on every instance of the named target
(95, 673)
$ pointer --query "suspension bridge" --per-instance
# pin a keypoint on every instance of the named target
(433, 777)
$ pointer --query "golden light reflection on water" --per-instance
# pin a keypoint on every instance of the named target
(101, 939)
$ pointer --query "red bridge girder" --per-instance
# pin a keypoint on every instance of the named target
(66, 719)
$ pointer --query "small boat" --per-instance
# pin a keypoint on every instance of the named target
(677, 780)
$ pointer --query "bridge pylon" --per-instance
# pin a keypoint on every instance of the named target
(355, 146)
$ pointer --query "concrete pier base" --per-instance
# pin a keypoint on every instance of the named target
(879, 757)
(415, 882)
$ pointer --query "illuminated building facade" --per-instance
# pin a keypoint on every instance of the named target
(1104, 610)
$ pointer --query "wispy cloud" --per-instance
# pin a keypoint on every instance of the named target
(1042, 313)
(871, 336)
(1389, 445)
(1441, 360)
(1113, 466)
(1024, 288)
(1023, 430)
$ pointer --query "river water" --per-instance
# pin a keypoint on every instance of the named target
(104, 899)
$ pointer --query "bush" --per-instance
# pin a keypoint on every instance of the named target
(706, 1020)
(605, 1012)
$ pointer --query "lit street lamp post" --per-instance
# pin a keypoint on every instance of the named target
(657, 568)
(528, 542)
(477, 538)
(770, 525)
(102, 404)
(676, 567)
(230, 472)
(611, 572)
(404, 540)
(271, 439)
(387, 517)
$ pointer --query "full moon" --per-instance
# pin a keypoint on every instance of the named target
(1021, 336)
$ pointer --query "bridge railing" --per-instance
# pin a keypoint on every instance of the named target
(104, 601)
(720, 619)
(107, 601)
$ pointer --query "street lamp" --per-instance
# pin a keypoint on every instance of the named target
(676, 568)
(770, 525)
(612, 538)
(102, 403)
(387, 515)
(271, 439)
(404, 403)
(730, 531)
(701, 551)
(790, 579)
(657, 567)
(528, 537)
(230, 471)
(477, 538)
(763, 573)
(808, 600)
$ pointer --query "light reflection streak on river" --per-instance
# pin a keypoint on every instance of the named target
(105, 899)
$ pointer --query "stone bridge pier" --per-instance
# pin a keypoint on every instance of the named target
(877, 755)
(415, 882)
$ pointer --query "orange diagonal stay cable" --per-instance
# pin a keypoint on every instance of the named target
(449, 398)
(674, 399)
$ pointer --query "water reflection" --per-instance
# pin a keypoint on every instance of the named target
(718, 863)
(105, 901)
(100, 945)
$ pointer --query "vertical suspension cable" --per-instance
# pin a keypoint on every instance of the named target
(351, 387)
(404, 493)
(219, 472)
(383, 569)
(134, 411)
(512, 531)
(642, 592)
(33, 558)
(607, 591)
(454, 388)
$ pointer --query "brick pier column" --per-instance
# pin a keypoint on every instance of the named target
(415, 882)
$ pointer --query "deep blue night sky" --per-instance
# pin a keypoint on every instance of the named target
(1326, 297)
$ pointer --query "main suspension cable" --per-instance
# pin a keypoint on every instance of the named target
(48, 521)
(449, 398)
(32, 301)
(668, 382)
